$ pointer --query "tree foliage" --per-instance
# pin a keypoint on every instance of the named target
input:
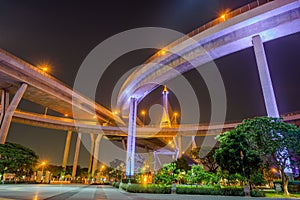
(167, 174)
(276, 142)
(228, 156)
(17, 159)
(197, 175)
(205, 156)
(264, 142)
(182, 164)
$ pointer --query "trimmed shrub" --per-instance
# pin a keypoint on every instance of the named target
(209, 190)
(124, 186)
(257, 193)
(116, 184)
(126, 180)
(151, 188)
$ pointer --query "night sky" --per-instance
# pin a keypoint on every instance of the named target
(62, 33)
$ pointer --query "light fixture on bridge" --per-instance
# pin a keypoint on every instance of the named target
(66, 115)
(223, 14)
(163, 52)
(44, 66)
(223, 17)
(115, 112)
(143, 113)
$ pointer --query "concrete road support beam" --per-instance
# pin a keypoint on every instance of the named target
(91, 153)
(96, 153)
(77, 149)
(265, 78)
(66, 151)
(9, 112)
(131, 138)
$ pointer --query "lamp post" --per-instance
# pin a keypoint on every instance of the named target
(143, 113)
(43, 164)
(175, 118)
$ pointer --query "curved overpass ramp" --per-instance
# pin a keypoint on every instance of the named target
(251, 25)
(21, 80)
(213, 40)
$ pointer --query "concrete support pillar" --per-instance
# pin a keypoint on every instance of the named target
(265, 78)
(131, 138)
(194, 144)
(91, 153)
(7, 117)
(4, 104)
(124, 144)
(77, 148)
(266, 83)
(96, 154)
(66, 152)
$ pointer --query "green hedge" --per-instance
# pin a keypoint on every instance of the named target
(151, 188)
(257, 193)
(116, 184)
(189, 189)
(127, 180)
(216, 190)
(124, 186)
(209, 190)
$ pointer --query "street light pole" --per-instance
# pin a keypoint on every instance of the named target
(143, 114)
(175, 118)
(43, 164)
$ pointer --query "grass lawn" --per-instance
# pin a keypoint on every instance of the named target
(273, 194)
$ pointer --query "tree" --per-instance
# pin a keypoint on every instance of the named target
(56, 171)
(198, 175)
(167, 174)
(17, 159)
(205, 156)
(233, 144)
(277, 143)
(117, 169)
(182, 164)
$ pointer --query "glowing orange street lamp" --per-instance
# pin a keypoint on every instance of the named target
(143, 113)
(43, 164)
(223, 17)
(163, 52)
(44, 66)
(175, 117)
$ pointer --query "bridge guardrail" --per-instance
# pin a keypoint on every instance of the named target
(227, 15)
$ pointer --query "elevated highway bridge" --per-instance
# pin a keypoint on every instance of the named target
(249, 26)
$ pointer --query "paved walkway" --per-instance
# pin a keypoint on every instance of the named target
(84, 192)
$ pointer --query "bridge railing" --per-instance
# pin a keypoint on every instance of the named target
(33, 67)
(213, 23)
